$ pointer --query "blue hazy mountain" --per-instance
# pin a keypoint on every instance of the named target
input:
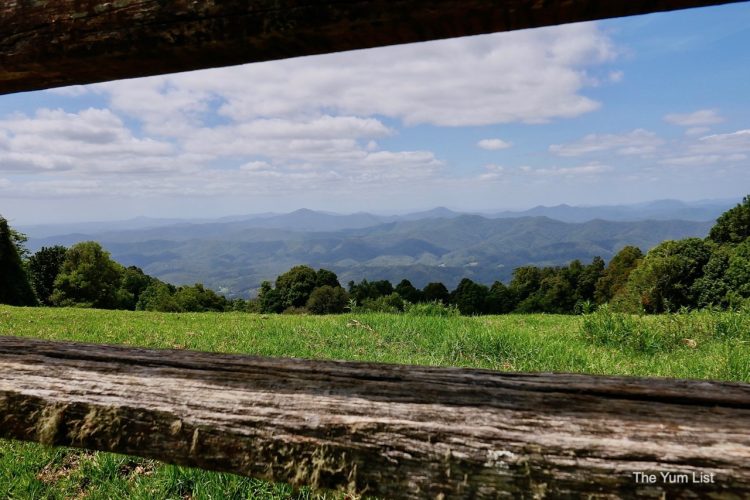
(235, 255)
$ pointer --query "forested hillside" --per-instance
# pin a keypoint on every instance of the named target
(236, 257)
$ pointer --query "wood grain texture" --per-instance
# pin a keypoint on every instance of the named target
(50, 43)
(386, 430)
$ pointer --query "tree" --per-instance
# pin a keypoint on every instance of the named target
(197, 298)
(407, 292)
(19, 240)
(733, 226)
(43, 268)
(327, 300)
(324, 277)
(737, 275)
(664, 280)
(369, 290)
(616, 274)
(296, 285)
(470, 297)
(134, 282)
(711, 290)
(500, 299)
(436, 292)
(587, 280)
(270, 299)
(557, 292)
(15, 288)
(88, 277)
(158, 296)
(525, 282)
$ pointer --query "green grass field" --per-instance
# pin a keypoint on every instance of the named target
(699, 345)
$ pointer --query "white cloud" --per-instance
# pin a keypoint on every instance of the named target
(492, 172)
(582, 170)
(94, 140)
(305, 124)
(637, 142)
(255, 166)
(693, 131)
(527, 76)
(493, 144)
(700, 160)
(735, 142)
(711, 149)
(698, 118)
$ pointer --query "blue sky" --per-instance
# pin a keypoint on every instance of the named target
(617, 111)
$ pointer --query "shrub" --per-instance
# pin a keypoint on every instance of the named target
(435, 308)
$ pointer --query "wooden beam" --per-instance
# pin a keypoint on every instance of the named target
(50, 43)
(385, 430)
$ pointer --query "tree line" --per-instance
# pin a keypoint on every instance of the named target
(690, 273)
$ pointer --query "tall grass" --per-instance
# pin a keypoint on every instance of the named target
(651, 334)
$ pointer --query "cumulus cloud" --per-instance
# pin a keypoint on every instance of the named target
(493, 144)
(527, 76)
(95, 140)
(637, 142)
(308, 123)
(492, 172)
(698, 118)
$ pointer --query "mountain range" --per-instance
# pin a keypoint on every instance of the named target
(235, 254)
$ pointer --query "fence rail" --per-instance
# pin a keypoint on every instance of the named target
(384, 430)
(50, 43)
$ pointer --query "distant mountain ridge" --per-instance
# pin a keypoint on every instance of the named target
(236, 255)
(310, 220)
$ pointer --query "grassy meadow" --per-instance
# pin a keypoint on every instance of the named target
(699, 345)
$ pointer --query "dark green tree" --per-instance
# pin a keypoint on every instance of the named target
(664, 279)
(324, 277)
(585, 287)
(327, 300)
(615, 276)
(733, 226)
(19, 240)
(500, 299)
(270, 299)
(470, 297)
(15, 288)
(711, 289)
(557, 292)
(526, 282)
(436, 292)
(737, 275)
(43, 268)
(369, 290)
(134, 282)
(197, 298)
(296, 285)
(88, 277)
(158, 296)
(407, 292)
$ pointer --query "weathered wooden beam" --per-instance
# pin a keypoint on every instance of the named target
(386, 430)
(49, 43)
